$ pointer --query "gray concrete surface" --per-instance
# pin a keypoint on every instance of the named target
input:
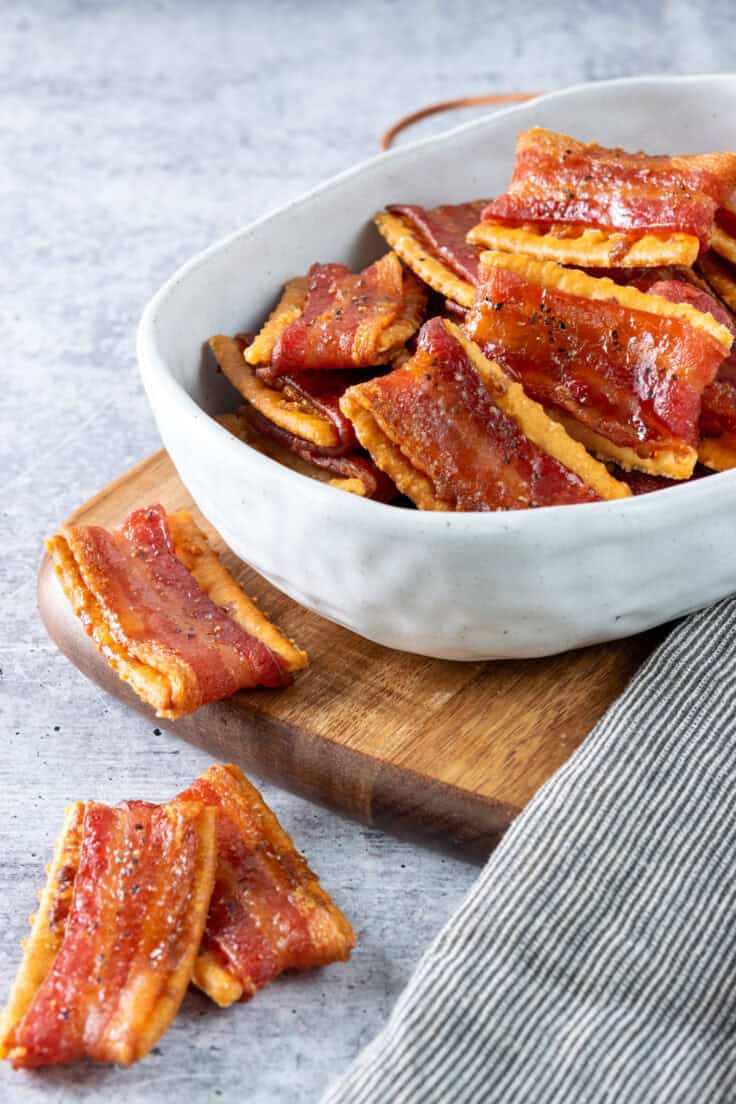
(133, 135)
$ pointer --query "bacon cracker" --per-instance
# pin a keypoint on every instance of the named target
(275, 405)
(268, 911)
(124, 945)
(558, 179)
(346, 321)
(588, 248)
(621, 369)
(176, 643)
(355, 473)
(498, 451)
(717, 448)
(415, 253)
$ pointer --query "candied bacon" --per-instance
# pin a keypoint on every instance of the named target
(155, 624)
(268, 911)
(558, 179)
(349, 321)
(456, 434)
(718, 409)
(623, 370)
(444, 231)
(141, 893)
(353, 466)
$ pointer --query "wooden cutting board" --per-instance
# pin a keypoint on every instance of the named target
(451, 749)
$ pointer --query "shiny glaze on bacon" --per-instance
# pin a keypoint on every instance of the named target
(444, 230)
(268, 912)
(632, 377)
(440, 413)
(153, 605)
(339, 305)
(558, 179)
(354, 465)
(138, 911)
(718, 411)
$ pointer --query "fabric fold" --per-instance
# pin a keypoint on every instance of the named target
(595, 958)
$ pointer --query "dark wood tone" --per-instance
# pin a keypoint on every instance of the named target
(452, 750)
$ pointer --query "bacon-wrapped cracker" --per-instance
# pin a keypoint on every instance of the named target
(498, 450)
(268, 912)
(433, 243)
(167, 615)
(622, 370)
(124, 945)
(345, 321)
(354, 472)
(642, 209)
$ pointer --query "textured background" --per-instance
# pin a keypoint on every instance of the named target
(132, 136)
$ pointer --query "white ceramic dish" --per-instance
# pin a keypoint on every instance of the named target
(460, 586)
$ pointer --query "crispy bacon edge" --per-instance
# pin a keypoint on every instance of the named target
(404, 241)
(152, 684)
(580, 284)
(330, 935)
(47, 925)
(153, 990)
(543, 431)
(388, 342)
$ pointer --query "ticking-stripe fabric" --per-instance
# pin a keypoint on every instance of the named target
(595, 959)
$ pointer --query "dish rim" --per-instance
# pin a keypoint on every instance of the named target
(158, 377)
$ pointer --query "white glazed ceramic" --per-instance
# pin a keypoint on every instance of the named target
(459, 586)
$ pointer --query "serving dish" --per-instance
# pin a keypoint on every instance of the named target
(462, 586)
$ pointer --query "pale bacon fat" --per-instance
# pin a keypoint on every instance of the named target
(268, 912)
(126, 943)
(158, 629)
(499, 451)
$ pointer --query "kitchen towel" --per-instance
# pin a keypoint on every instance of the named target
(595, 958)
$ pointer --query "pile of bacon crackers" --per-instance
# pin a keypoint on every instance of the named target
(143, 899)
(567, 342)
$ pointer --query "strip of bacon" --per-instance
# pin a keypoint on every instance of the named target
(365, 479)
(141, 894)
(558, 179)
(268, 912)
(443, 230)
(137, 593)
(624, 371)
(417, 253)
(347, 321)
(718, 411)
(455, 433)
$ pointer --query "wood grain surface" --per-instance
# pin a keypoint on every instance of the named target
(450, 749)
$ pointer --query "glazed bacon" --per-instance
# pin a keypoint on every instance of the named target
(433, 244)
(354, 472)
(166, 614)
(268, 912)
(557, 179)
(624, 371)
(126, 944)
(455, 433)
(717, 448)
(346, 321)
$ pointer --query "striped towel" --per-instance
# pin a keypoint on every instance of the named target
(595, 958)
